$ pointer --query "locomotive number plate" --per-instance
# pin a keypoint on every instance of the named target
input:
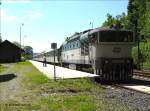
(116, 49)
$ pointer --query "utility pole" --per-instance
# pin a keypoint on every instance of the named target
(91, 23)
(21, 25)
(54, 46)
(24, 40)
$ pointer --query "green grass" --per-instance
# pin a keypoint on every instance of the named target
(2, 68)
(71, 103)
(45, 94)
(146, 66)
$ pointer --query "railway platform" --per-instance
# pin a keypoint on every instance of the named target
(61, 72)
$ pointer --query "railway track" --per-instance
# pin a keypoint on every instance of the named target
(141, 73)
(137, 88)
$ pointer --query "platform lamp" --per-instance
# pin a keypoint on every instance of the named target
(20, 26)
(54, 46)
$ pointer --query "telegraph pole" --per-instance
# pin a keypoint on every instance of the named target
(54, 46)
(91, 23)
(21, 25)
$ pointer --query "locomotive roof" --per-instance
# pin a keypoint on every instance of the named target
(74, 37)
(108, 29)
(84, 34)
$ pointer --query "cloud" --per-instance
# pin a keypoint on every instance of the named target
(7, 18)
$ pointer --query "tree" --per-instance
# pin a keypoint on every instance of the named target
(146, 27)
(17, 43)
(110, 21)
(28, 52)
(138, 13)
(119, 20)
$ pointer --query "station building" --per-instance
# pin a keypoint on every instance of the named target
(9, 52)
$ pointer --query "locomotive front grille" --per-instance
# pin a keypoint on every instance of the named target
(116, 69)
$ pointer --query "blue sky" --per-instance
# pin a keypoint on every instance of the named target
(47, 21)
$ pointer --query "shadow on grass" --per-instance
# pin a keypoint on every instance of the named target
(7, 77)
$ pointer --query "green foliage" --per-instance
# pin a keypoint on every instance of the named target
(110, 21)
(121, 20)
(28, 52)
(139, 16)
(146, 27)
(144, 53)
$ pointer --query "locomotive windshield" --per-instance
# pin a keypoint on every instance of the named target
(116, 36)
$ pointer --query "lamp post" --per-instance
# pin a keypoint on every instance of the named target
(91, 23)
(54, 46)
(20, 38)
(23, 40)
(20, 32)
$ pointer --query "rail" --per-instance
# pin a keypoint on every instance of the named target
(141, 73)
(131, 89)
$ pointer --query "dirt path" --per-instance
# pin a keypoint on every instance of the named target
(10, 84)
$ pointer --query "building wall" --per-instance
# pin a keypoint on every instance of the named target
(9, 52)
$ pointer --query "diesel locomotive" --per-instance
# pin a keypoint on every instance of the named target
(106, 50)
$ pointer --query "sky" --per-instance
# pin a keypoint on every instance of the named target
(47, 21)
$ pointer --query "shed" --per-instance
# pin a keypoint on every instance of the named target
(9, 52)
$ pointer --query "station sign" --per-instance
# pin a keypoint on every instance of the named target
(54, 45)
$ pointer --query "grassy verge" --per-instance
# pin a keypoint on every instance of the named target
(146, 66)
(39, 93)
(2, 68)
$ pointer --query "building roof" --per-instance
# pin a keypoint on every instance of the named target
(11, 44)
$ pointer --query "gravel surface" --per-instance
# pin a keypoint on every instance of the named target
(132, 99)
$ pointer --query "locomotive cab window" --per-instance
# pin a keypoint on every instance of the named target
(93, 38)
(116, 36)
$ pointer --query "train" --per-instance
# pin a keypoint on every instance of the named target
(105, 50)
